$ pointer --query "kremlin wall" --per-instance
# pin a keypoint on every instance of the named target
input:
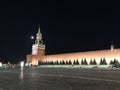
(38, 54)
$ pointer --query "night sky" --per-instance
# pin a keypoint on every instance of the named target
(67, 26)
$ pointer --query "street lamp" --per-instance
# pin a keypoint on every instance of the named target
(0, 64)
(22, 64)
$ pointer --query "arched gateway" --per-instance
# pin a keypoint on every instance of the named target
(38, 54)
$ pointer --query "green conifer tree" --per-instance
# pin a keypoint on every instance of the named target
(74, 62)
(91, 62)
(111, 62)
(116, 63)
(104, 61)
(85, 61)
(70, 62)
(52, 63)
(101, 61)
(63, 62)
(82, 62)
(60, 62)
(67, 63)
(56, 62)
(77, 62)
(94, 62)
(39, 63)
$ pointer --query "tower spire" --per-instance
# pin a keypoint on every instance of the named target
(39, 30)
(38, 37)
(38, 43)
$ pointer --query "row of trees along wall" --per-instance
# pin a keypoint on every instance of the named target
(76, 62)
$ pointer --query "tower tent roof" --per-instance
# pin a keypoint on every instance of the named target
(39, 32)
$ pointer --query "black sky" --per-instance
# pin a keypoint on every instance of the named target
(67, 26)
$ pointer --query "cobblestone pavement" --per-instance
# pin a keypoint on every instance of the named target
(59, 79)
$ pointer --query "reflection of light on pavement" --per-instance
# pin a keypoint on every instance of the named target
(21, 68)
(21, 74)
(33, 74)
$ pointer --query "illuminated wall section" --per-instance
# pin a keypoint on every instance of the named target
(41, 54)
(97, 55)
(28, 58)
(34, 60)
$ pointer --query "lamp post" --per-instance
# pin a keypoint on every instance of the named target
(22, 65)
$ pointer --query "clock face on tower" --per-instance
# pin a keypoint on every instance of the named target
(39, 38)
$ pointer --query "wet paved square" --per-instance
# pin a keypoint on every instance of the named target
(59, 79)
